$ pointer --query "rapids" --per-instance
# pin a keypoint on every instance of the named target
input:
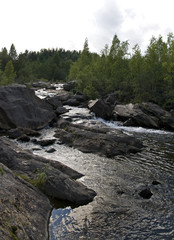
(118, 211)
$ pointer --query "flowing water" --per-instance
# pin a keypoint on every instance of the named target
(118, 211)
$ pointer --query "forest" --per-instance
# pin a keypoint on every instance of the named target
(134, 76)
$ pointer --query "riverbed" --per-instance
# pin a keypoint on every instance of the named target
(118, 211)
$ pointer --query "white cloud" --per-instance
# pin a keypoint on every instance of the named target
(36, 24)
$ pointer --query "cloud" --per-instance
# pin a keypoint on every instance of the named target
(107, 23)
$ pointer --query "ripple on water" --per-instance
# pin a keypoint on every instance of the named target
(118, 212)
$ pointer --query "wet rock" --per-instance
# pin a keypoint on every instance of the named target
(110, 99)
(44, 142)
(51, 150)
(145, 193)
(145, 115)
(15, 133)
(155, 182)
(20, 107)
(134, 116)
(53, 178)
(54, 101)
(71, 102)
(102, 141)
(18, 132)
(61, 110)
(23, 138)
(100, 108)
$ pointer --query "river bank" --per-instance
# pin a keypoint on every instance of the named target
(118, 211)
(120, 183)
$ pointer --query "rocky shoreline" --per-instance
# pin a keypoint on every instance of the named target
(29, 181)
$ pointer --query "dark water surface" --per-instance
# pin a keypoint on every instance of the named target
(118, 211)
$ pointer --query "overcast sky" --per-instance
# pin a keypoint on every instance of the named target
(37, 24)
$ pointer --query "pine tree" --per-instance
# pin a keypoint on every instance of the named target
(9, 74)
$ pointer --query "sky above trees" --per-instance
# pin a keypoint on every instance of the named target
(37, 24)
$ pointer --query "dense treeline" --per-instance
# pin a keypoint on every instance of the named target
(132, 76)
(49, 65)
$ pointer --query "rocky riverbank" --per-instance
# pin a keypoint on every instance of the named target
(29, 181)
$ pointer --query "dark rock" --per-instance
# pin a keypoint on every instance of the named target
(24, 210)
(101, 141)
(71, 102)
(23, 138)
(20, 107)
(69, 86)
(145, 193)
(165, 118)
(58, 179)
(100, 108)
(54, 101)
(145, 115)
(15, 133)
(45, 142)
(37, 149)
(172, 112)
(61, 110)
(135, 116)
(51, 150)
(80, 97)
(155, 182)
(110, 99)
(18, 132)
(63, 96)
(62, 123)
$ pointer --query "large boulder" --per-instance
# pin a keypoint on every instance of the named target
(24, 210)
(132, 115)
(53, 178)
(165, 118)
(101, 141)
(148, 115)
(20, 107)
(101, 108)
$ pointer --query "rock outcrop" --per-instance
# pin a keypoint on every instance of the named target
(24, 210)
(20, 107)
(147, 115)
(25, 182)
(52, 177)
(101, 108)
(101, 141)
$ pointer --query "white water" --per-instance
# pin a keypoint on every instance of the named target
(117, 212)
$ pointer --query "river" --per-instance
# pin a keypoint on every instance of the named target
(118, 211)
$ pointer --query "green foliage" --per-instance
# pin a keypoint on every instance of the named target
(8, 76)
(39, 180)
(2, 171)
(133, 77)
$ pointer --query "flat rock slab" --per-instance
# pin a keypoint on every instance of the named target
(101, 141)
(53, 178)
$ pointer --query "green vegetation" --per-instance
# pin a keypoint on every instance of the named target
(2, 171)
(133, 76)
(50, 65)
(40, 179)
